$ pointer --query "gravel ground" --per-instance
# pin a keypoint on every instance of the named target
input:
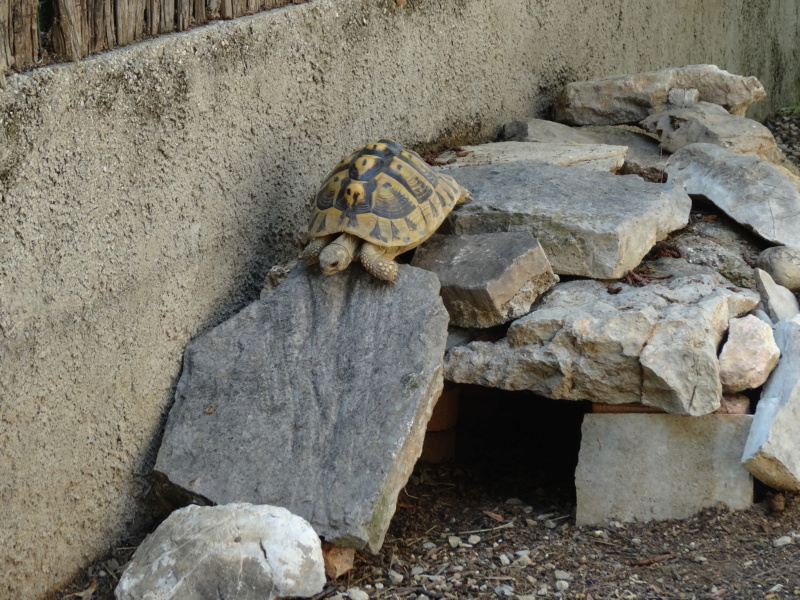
(499, 522)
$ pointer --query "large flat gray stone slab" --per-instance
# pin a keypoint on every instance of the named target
(748, 189)
(645, 467)
(589, 223)
(656, 344)
(644, 156)
(487, 279)
(314, 399)
(594, 157)
(622, 99)
(772, 453)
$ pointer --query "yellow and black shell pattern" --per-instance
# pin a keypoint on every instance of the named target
(383, 194)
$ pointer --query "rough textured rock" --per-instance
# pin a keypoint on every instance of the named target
(594, 157)
(748, 356)
(655, 344)
(237, 551)
(778, 302)
(314, 399)
(644, 156)
(783, 265)
(706, 123)
(644, 467)
(630, 98)
(716, 241)
(679, 98)
(748, 189)
(590, 224)
(772, 453)
(487, 279)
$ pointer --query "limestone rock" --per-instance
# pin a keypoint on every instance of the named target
(655, 344)
(595, 157)
(314, 399)
(735, 404)
(783, 265)
(748, 356)
(772, 453)
(487, 279)
(233, 551)
(706, 123)
(778, 301)
(749, 190)
(630, 98)
(589, 223)
(679, 98)
(644, 156)
(644, 467)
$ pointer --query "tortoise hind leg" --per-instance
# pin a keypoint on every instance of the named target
(310, 255)
(377, 264)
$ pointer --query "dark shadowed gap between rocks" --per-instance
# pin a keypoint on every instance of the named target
(517, 444)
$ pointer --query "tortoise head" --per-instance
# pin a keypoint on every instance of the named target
(338, 254)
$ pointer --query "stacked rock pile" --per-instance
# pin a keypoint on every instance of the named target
(583, 258)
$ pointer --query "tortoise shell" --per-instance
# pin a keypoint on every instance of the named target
(384, 194)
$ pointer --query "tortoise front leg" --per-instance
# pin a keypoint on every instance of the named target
(377, 264)
(310, 255)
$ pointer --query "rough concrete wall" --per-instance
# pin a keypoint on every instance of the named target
(144, 193)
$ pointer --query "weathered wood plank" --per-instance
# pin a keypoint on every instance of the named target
(130, 20)
(103, 35)
(25, 32)
(160, 16)
(6, 55)
(200, 16)
(71, 29)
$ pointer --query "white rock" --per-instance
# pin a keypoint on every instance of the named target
(748, 356)
(783, 264)
(779, 302)
(782, 541)
(641, 467)
(562, 575)
(772, 453)
(243, 551)
(454, 541)
(631, 98)
(395, 577)
(355, 593)
(474, 539)
(562, 586)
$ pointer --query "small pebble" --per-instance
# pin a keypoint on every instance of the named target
(784, 540)
(550, 524)
(474, 539)
(504, 591)
(562, 575)
(454, 541)
(379, 586)
(395, 577)
(504, 560)
(776, 588)
(562, 586)
(543, 590)
(515, 502)
(357, 594)
(429, 545)
(417, 571)
(699, 559)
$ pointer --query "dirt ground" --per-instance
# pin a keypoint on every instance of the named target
(499, 521)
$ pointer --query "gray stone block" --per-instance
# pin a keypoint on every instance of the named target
(314, 399)
(644, 467)
(487, 279)
(589, 223)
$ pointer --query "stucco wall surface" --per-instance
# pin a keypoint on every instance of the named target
(144, 193)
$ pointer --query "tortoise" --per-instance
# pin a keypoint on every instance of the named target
(377, 203)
